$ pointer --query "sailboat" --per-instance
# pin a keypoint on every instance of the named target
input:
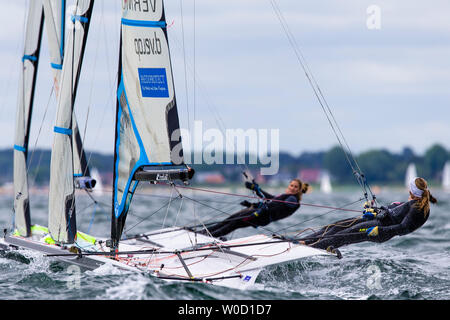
(148, 148)
(325, 183)
(411, 173)
(446, 177)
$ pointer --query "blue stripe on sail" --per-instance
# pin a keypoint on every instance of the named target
(56, 66)
(143, 159)
(140, 23)
(79, 18)
(63, 130)
(19, 148)
(77, 174)
(28, 57)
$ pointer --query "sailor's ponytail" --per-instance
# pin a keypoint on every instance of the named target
(305, 187)
(424, 202)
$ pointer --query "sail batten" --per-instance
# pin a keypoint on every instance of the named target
(27, 82)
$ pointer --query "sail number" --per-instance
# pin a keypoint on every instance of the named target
(139, 5)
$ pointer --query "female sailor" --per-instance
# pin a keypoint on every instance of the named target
(378, 225)
(270, 208)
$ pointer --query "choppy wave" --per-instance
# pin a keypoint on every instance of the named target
(410, 267)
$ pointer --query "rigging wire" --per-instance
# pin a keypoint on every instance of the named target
(185, 67)
(324, 105)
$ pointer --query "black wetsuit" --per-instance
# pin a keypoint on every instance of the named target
(258, 214)
(396, 220)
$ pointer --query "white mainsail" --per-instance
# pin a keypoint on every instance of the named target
(23, 117)
(61, 220)
(55, 11)
(446, 177)
(147, 117)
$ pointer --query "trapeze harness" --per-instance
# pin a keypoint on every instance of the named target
(258, 214)
(395, 220)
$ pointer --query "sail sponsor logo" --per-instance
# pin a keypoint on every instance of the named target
(147, 46)
(153, 82)
(139, 5)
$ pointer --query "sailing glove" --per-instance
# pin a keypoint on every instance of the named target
(245, 203)
(251, 185)
(369, 214)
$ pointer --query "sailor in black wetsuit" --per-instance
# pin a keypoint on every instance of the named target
(378, 225)
(270, 208)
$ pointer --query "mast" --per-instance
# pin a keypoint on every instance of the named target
(27, 85)
(62, 217)
(147, 138)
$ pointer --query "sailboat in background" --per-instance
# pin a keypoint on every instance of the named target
(325, 183)
(148, 148)
(411, 173)
(446, 177)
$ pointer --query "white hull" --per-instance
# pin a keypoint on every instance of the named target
(235, 263)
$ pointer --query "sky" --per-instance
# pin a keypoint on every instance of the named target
(385, 74)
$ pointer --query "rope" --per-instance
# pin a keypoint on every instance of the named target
(315, 217)
(255, 197)
(324, 105)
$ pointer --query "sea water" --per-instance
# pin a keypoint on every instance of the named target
(415, 266)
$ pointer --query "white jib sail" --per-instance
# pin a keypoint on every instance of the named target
(23, 116)
(62, 222)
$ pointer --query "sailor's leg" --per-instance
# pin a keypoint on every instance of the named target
(354, 234)
(228, 228)
(231, 223)
(331, 229)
